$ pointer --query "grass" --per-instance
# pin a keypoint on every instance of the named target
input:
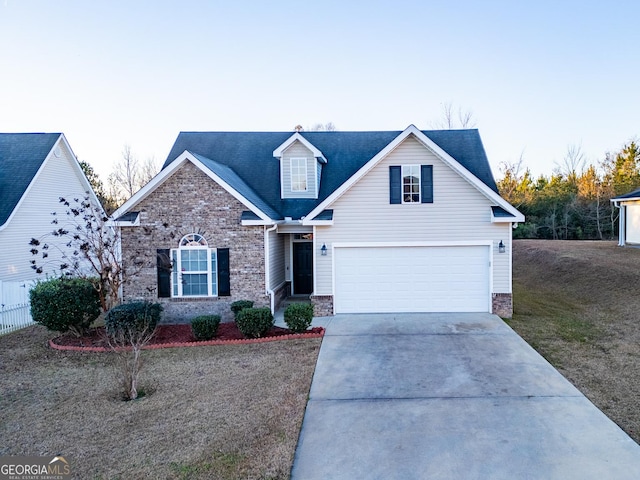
(223, 412)
(576, 303)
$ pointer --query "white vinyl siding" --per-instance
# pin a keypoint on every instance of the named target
(632, 234)
(32, 219)
(297, 151)
(460, 213)
(276, 259)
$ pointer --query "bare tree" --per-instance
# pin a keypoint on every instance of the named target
(128, 175)
(148, 170)
(130, 327)
(453, 118)
(573, 164)
(92, 249)
(320, 127)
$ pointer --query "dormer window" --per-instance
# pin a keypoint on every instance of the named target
(298, 174)
(300, 167)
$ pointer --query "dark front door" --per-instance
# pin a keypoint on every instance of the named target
(302, 268)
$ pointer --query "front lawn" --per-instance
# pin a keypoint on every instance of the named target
(577, 303)
(223, 412)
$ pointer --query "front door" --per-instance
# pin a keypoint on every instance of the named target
(302, 268)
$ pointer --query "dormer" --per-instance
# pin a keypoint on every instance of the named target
(300, 167)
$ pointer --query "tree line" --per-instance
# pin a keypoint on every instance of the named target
(573, 203)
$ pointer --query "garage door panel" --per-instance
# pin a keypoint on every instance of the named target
(412, 279)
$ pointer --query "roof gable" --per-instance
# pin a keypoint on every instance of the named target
(296, 137)
(21, 156)
(225, 176)
(250, 156)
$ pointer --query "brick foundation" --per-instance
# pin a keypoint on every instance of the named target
(280, 294)
(322, 305)
(502, 304)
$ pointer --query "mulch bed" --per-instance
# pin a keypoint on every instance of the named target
(177, 336)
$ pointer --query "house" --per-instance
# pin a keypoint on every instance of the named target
(387, 221)
(36, 169)
(629, 223)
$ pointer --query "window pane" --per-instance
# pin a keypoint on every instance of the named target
(194, 284)
(411, 183)
(298, 174)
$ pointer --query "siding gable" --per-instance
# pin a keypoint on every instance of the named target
(451, 192)
(32, 217)
(459, 213)
(298, 150)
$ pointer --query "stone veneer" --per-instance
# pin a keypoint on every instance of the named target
(502, 304)
(190, 202)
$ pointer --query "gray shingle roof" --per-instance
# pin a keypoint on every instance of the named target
(250, 156)
(500, 212)
(21, 155)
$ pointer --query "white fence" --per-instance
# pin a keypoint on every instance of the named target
(15, 312)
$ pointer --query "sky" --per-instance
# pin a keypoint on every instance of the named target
(538, 77)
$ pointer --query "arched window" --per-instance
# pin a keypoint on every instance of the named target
(195, 268)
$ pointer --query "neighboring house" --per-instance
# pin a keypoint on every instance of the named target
(629, 220)
(36, 169)
(405, 221)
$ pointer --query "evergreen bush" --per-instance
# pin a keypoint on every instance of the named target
(239, 305)
(205, 327)
(65, 304)
(134, 318)
(298, 316)
(254, 322)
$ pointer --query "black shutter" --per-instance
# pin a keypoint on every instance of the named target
(426, 183)
(163, 260)
(224, 284)
(395, 185)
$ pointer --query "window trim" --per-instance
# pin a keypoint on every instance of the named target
(298, 161)
(194, 242)
(411, 166)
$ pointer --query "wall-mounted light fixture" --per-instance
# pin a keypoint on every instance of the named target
(323, 249)
(501, 247)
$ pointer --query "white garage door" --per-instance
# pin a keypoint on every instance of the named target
(412, 279)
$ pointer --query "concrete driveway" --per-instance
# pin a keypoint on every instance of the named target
(449, 396)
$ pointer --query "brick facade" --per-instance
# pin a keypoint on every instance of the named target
(502, 304)
(322, 305)
(190, 202)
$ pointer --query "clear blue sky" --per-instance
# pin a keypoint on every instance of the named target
(537, 76)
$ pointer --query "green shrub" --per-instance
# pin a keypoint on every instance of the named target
(298, 316)
(254, 322)
(205, 327)
(135, 318)
(64, 304)
(239, 305)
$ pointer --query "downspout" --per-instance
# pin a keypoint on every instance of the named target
(267, 267)
(621, 223)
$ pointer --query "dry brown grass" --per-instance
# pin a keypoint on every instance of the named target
(577, 303)
(221, 412)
